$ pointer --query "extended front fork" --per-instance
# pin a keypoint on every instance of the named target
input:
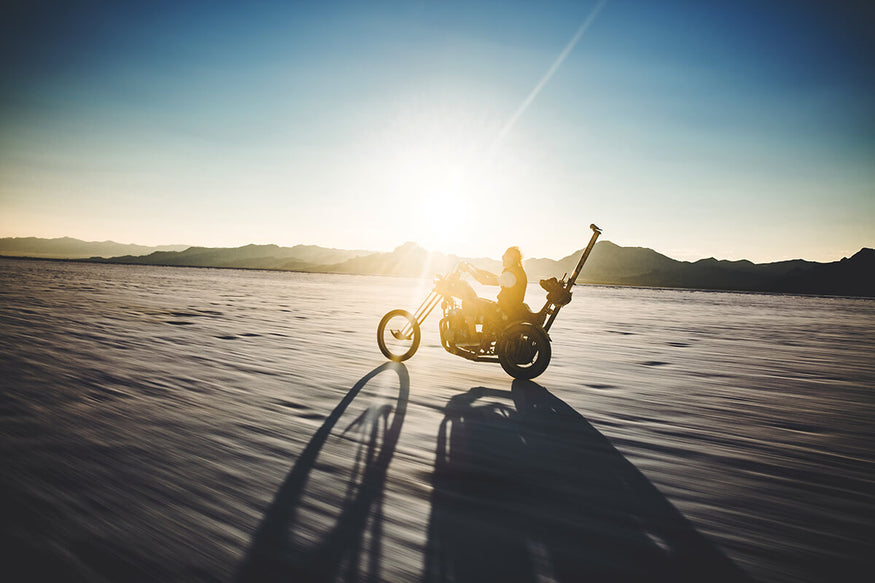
(422, 312)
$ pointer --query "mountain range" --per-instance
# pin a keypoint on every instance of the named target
(608, 264)
(68, 248)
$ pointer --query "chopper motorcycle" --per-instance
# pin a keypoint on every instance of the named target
(520, 343)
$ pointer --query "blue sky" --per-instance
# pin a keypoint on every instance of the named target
(729, 129)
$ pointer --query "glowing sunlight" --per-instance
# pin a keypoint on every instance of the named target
(444, 215)
(433, 165)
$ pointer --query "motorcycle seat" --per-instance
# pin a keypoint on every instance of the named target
(526, 314)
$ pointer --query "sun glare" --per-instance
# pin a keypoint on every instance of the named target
(434, 167)
(444, 215)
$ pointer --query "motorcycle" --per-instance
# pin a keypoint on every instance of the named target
(520, 343)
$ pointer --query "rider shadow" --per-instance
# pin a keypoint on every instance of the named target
(525, 489)
(326, 520)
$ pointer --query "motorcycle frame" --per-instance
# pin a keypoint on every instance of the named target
(547, 314)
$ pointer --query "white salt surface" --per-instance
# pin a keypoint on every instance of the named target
(199, 424)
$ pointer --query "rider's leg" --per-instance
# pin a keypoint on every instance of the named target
(471, 309)
(492, 322)
(488, 314)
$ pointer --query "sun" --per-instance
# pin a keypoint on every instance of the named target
(444, 215)
(435, 170)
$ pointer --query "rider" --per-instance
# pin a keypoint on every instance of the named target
(512, 282)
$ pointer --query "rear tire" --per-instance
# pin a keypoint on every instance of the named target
(524, 350)
(405, 325)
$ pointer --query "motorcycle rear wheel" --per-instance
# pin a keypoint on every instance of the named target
(524, 350)
(398, 335)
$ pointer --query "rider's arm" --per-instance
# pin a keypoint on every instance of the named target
(482, 276)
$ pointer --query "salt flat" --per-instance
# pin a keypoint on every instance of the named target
(201, 424)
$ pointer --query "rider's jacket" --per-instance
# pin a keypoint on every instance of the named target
(510, 298)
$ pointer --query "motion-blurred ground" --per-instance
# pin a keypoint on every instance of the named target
(198, 424)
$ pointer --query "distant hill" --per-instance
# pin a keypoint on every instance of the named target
(611, 264)
(67, 248)
(638, 266)
(297, 258)
(407, 260)
(608, 264)
(854, 276)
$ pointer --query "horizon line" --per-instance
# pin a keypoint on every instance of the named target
(187, 246)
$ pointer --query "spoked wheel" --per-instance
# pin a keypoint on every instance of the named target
(398, 335)
(524, 350)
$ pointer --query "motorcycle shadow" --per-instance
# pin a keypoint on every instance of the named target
(525, 489)
(325, 522)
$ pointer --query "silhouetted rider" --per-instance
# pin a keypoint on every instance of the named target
(512, 281)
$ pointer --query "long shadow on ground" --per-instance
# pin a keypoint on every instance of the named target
(312, 531)
(525, 489)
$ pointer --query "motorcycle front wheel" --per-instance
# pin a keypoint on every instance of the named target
(398, 335)
(524, 350)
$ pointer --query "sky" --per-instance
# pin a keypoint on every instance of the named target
(733, 129)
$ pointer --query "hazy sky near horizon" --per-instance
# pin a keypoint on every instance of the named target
(732, 129)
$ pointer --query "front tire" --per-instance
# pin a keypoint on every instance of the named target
(398, 335)
(524, 350)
